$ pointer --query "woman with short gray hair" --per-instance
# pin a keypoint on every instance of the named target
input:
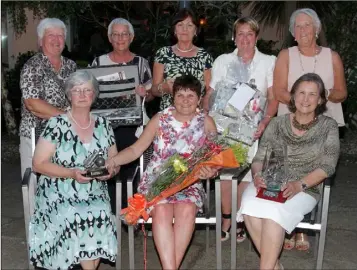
(72, 222)
(41, 82)
(120, 35)
(78, 78)
(308, 57)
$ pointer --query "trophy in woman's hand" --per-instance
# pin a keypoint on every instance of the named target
(274, 175)
(94, 164)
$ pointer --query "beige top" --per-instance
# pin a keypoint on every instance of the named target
(318, 148)
(324, 68)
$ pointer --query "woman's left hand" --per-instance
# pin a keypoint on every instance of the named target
(207, 172)
(291, 189)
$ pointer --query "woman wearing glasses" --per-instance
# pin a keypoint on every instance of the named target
(120, 35)
(72, 222)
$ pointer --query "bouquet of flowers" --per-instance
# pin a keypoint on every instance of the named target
(236, 124)
(181, 171)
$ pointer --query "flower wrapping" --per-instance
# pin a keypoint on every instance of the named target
(235, 124)
(181, 171)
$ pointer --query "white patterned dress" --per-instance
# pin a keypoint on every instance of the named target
(72, 221)
(175, 137)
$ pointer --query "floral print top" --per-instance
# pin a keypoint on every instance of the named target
(176, 66)
(39, 80)
(175, 137)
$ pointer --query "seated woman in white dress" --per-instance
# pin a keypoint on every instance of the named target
(312, 152)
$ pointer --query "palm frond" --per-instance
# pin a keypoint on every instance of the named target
(277, 13)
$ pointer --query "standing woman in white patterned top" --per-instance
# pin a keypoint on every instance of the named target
(309, 57)
(42, 84)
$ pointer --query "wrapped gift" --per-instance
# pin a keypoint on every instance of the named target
(236, 106)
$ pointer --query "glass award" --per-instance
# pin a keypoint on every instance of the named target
(274, 174)
(94, 165)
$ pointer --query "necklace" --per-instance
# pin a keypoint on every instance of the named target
(74, 120)
(177, 47)
(304, 127)
(315, 60)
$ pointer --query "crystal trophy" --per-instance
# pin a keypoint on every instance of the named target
(274, 174)
(94, 164)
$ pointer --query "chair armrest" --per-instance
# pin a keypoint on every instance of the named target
(330, 181)
(26, 177)
(241, 172)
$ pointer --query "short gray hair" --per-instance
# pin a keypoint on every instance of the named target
(50, 23)
(78, 78)
(123, 22)
(309, 12)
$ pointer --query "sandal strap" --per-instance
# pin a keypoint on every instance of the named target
(227, 216)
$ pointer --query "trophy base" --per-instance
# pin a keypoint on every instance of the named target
(276, 196)
(98, 172)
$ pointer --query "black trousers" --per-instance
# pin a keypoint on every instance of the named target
(124, 137)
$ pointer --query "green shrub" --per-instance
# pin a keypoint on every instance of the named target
(12, 82)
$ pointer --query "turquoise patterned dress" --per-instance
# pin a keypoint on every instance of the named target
(72, 221)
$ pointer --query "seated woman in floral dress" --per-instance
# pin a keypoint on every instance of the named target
(312, 145)
(181, 128)
(72, 222)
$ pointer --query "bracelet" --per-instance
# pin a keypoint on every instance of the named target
(268, 116)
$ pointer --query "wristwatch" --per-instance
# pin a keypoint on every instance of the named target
(303, 185)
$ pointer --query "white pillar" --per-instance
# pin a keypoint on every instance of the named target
(184, 4)
(10, 43)
(69, 37)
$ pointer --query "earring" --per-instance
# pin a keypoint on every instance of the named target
(317, 35)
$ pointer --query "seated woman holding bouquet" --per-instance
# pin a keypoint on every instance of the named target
(180, 128)
(260, 69)
(312, 144)
(72, 221)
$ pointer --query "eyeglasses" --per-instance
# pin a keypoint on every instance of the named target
(123, 35)
(85, 91)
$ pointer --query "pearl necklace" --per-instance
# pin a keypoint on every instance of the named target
(74, 120)
(315, 60)
(184, 51)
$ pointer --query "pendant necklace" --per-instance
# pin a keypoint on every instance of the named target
(315, 61)
(184, 51)
(74, 120)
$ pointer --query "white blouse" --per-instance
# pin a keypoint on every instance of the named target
(262, 69)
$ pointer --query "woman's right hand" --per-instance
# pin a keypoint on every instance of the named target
(259, 181)
(78, 175)
(169, 85)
